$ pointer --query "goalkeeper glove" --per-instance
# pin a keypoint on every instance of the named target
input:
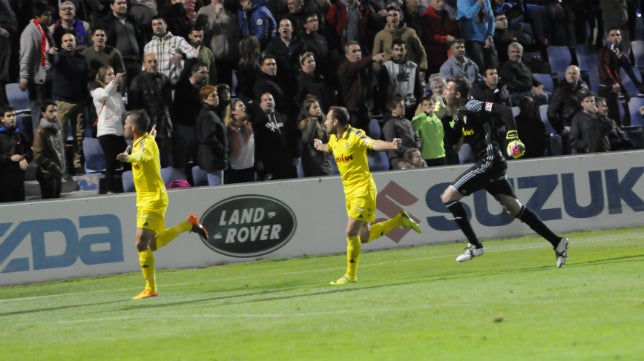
(516, 148)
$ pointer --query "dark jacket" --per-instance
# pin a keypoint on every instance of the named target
(588, 133)
(501, 95)
(153, 93)
(13, 142)
(69, 76)
(212, 154)
(186, 104)
(565, 103)
(49, 148)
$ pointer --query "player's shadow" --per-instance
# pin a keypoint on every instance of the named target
(57, 308)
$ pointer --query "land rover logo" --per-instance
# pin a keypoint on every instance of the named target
(248, 226)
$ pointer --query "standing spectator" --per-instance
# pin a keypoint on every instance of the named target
(491, 89)
(618, 140)
(283, 47)
(438, 31)
(69, 23)
(241, 143)
(110, 110)
(458, 64)
(531, 128)
(276, 139)
(518, 77)
(152, 91)
(176, 18)
(588, 132)
(222, 33)
(248, 67)
(399, 127)
(100, 54)
(309, 83)
(35, 68)
(143, 11)
(615, 16)
(123, 33)
(267, 81)
(355, 82)
(171, 50)
(476, 24)
(565, 102)
(15, 155)
(311, 124)
(311, 40)
(430, 131)
(611, 59)
(396, 29)
(69, 91)
(254, 18)
(49, 152)
(8, 31)
(186, 106)
(203, 54)
(401, 78)
(212, 139)
(451, 138)
(504, 35)
(437, 83)
(347, 22)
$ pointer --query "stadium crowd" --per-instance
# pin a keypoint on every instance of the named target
(239, 88)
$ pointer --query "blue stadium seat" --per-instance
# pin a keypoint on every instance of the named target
(374, 130)
(94, 157)
(637, 47)
(18, 99)
(128, 181)
(547, 81)
(588, 63)
(629, 84)
(559, 58)
(636, 135)
(378, 161)
(170, 174)
(555, 146)
(634, 110)
(199, 177)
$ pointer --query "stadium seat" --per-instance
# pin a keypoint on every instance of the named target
(636, 135)
(199, 177)
(128, 181)
(465, 155)
(628, 83)
(378, 161)
(170, 174)
(547, 81)
(634, 110)
(555, 145)
(374, 130)
(515, 111)
(559, 58)
(94, 157)
(18, 99)
(588, 64)
(637, 47)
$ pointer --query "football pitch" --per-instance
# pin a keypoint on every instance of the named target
(408, 304)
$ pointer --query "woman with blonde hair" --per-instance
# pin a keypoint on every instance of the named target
(311, 124)
(109, 124)
(241, 144)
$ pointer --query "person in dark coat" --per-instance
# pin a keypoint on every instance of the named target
(15, 155)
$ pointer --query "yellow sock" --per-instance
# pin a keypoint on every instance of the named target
(379, 229)
(146, 260)
(169, 234)
(353, 255)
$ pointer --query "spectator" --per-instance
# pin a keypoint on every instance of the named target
(222, 34)
(476, 25)
(241, 143)
(202, 54)
(611, 59)
(402, 78)
(212, 154)
(565, 102)
(438, 31)
(397, 126)
(151, 90)
(348, 22)
(491, 89)
(531, 129)
(100, 54)
(615, 16)
(518, 77)
(110, 109)
(223, 90)
(267, 81)
(185, 108)
(171, 50)
(311, 124)
(276, 139)
(437, 84)
(69, 23)
(297, 13)
(15, 155)
(311, 40)
(395, 29)
(588, 132)
(459, 64)
(176, 18)
(123, 33)
(309, 83)
(143, 11)
(248, 67)
(504, 35)
(255, 19)
(35, 68)
(355, 82)
(430, 132)
(69, 91)
(412, 159)
(284, 48)
(8, 31)
(49, 152)
(616, 137)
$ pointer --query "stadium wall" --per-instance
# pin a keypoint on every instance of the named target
(61, 239)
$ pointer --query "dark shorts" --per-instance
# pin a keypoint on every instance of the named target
(485, 174)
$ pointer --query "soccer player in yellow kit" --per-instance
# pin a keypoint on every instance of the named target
(151, 198)
(349, 148)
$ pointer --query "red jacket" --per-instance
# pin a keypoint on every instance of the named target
(436, 27)
(337, 20)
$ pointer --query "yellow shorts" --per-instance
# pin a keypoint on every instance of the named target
(361, 205)
(149, 218)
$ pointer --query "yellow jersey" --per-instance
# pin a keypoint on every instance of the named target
(350, 153)
(146, 171)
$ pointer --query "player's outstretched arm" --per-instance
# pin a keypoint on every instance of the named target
(381, 145)
(318, 145)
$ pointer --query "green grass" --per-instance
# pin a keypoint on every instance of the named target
(409, 304)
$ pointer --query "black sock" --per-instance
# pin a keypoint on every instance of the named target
(460, 217)
(528, 217)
